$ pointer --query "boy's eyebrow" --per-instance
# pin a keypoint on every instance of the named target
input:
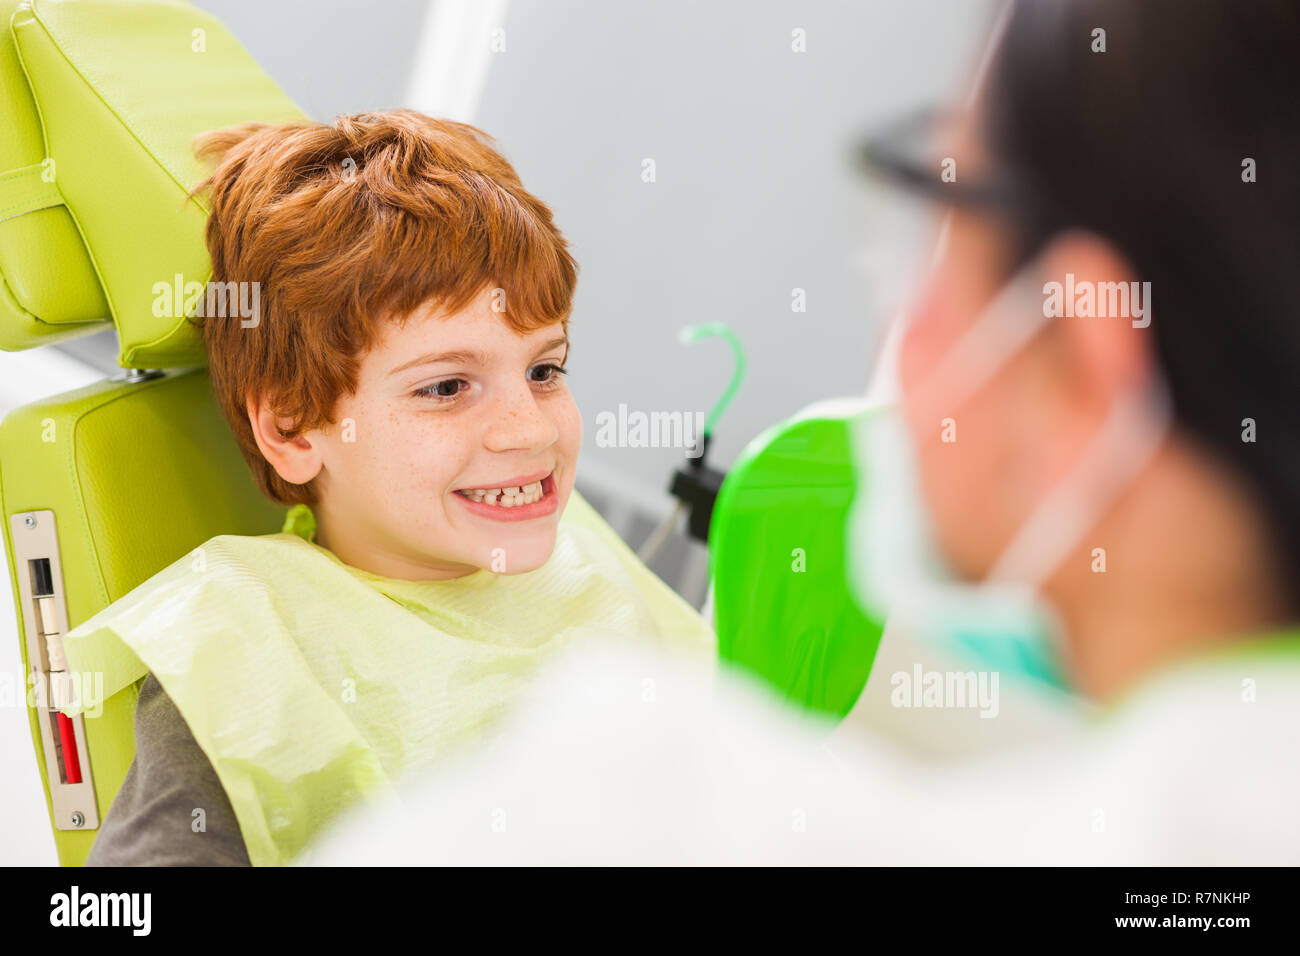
(468, 356)
(556, 343)
(460, 356)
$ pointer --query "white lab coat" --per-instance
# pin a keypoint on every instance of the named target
(621, 756)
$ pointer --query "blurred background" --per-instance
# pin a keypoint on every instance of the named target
(749, 111)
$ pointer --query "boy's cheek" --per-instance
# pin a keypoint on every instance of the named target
(577, 426)
(571, 433)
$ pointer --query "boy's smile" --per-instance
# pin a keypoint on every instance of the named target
(515, 499)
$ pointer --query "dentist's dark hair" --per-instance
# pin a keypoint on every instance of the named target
(1144, 145)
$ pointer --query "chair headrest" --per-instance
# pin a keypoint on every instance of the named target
(105, 101)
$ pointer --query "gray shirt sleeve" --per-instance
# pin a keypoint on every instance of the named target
(152, 820)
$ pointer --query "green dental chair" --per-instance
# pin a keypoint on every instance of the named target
(102, 487)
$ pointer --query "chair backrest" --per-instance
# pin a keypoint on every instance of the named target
(102, 487)
(782, 605)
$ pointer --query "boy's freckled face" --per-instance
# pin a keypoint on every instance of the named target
(404, 465)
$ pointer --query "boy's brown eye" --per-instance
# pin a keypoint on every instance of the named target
(550, 372)
(447, 389)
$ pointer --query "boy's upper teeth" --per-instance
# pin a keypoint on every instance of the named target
(513, 491)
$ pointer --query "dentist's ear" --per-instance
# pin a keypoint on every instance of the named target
(1101, 356)
(295, 459)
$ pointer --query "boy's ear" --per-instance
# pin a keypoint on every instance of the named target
(294, 458)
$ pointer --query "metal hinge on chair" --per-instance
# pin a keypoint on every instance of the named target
(45, 616)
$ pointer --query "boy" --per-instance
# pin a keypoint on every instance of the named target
(402, 389)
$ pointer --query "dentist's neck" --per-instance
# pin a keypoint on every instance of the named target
(1188, 568)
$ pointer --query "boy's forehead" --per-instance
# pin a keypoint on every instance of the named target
(426, 335)
(472, 323)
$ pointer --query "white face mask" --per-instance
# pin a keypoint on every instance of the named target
(895, 565)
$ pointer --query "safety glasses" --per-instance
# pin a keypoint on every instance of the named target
(920, 153)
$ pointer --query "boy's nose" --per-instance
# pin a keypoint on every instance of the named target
(518, 423)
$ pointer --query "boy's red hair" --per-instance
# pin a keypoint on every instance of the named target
(347, 226)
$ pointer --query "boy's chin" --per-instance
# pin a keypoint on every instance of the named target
(519, 557)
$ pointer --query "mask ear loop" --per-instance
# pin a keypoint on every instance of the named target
(1135, 428)
(1003, 328)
